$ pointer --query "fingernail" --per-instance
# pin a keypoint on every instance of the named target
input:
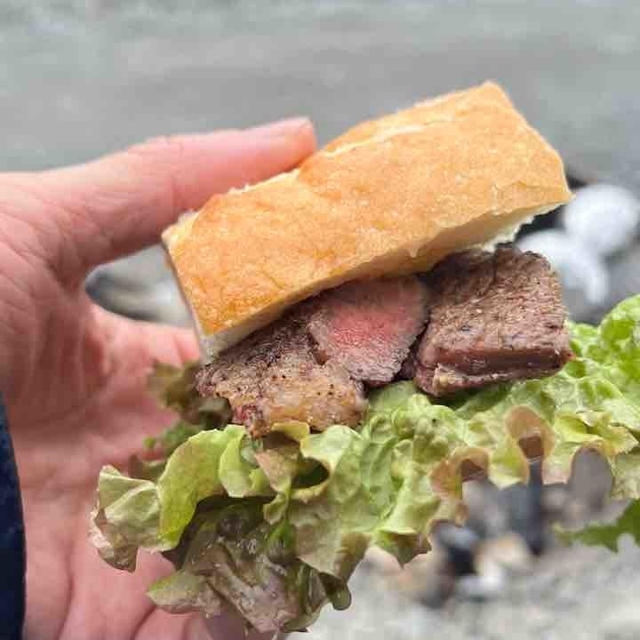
(283, 128)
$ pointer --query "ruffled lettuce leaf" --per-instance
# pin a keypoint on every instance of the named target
(230, 552)
(175, 388)
(277, 526)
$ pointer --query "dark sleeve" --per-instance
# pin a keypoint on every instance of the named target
(12, 553)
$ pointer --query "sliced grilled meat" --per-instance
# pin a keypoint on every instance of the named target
(493, 317)
(273, 376)
(311, 364)
(368, 327)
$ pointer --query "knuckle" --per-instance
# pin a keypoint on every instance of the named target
(162, 157)
(169, 147)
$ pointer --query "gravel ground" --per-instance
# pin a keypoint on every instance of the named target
(579, 593)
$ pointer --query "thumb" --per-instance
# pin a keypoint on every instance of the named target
(120, 203)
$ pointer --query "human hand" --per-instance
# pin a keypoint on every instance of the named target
(74, 375)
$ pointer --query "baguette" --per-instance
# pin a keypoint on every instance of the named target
(390, 196)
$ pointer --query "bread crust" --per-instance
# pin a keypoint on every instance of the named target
(390, 196)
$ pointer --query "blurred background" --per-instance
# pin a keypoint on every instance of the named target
(82, 78)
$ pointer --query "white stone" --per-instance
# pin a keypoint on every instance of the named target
(604, 217)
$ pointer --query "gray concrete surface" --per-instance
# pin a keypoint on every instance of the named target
(576, 594)
(81, 77)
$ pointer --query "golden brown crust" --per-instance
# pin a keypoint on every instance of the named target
(390, 196)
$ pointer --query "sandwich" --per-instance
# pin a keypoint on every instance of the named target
(371, 338)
